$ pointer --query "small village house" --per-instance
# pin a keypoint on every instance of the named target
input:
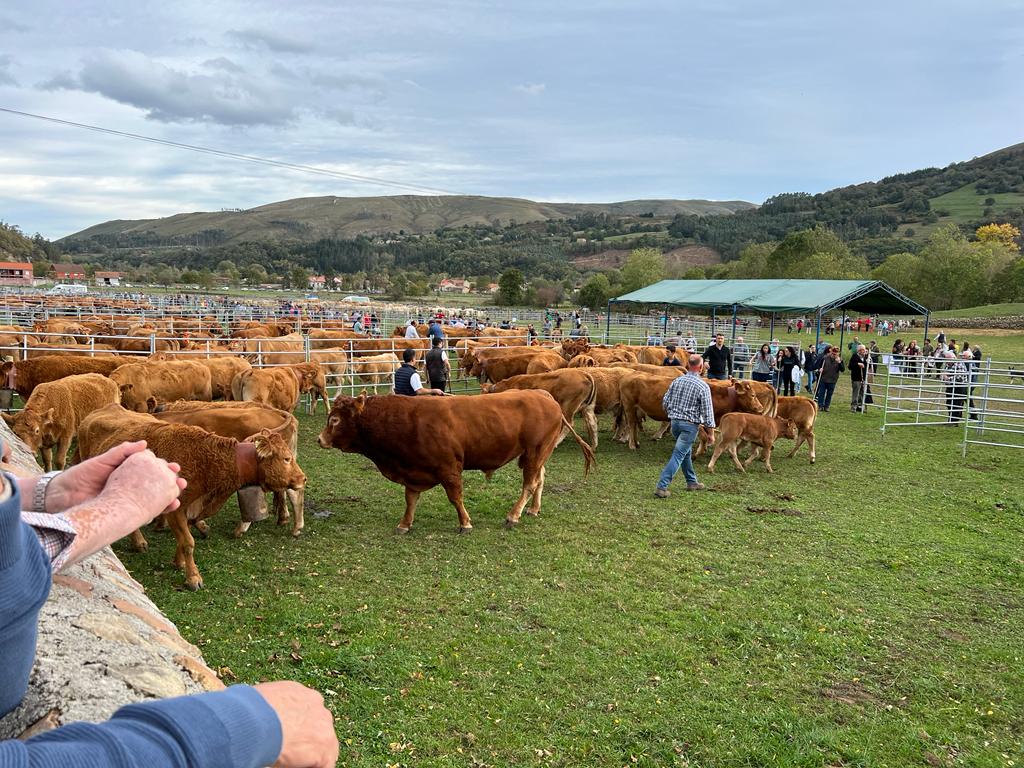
(15, 273)
(66, 273)
(456, 285)
(112, 279)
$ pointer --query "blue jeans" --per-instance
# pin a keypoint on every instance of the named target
(718, 376)
(810, 381)
(825, 391)
(685, 433)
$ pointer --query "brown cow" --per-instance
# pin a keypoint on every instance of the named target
(375, 369)
(24, 376)
(642, 394)
(503, 362)
(215, 467)
(165, 380)
(56, 408)
(761, 431)
(802, 412)
(241, 421)
(281, 385)
(573, 389)
(223, 369)
(482, 432)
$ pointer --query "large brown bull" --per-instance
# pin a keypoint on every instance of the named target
(423, 442)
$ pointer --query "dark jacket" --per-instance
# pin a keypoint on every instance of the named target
(859, 372)
(830, 370)
(719, 360)
(436, 371)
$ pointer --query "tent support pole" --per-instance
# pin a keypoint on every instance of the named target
(842, 330)
(733, 342)
(664, 325)
(927, 318)
(714, 315)
(817, 333)
(771, 328)
(608, 321)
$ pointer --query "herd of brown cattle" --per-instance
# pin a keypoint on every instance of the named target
(230, 424)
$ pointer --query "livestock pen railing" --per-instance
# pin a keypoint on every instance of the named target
(350, 365)
(982, 399)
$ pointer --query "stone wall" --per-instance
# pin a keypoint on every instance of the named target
(1007, 322)
(102, 644)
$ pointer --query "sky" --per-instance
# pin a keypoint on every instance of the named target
(559, 100)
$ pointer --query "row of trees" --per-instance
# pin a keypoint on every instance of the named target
(949, 271)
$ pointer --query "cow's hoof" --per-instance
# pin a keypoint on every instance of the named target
(510, 524)
(465, 529)
(401, 530)
(812, 459)
(296, 534)
(533, 512)
(194, 586)
(144, 547)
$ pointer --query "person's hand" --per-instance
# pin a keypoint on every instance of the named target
(308, 739)
(137, 490)
(86, 480)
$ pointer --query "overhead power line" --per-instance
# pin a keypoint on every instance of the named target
(236, 156)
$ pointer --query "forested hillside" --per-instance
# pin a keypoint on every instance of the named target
(946, 236)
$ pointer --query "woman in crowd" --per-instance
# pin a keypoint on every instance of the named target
(763, 364)
(787, 362)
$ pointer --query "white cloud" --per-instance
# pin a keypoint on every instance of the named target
(531, 89)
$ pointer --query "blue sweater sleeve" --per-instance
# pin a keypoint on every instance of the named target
(24, 586)
(235, 728)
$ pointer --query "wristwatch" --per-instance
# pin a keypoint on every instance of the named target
(39, 492)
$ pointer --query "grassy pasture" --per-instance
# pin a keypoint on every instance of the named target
(863, 611)
(965, 204)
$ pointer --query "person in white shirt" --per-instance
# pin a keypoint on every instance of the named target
(410, 331)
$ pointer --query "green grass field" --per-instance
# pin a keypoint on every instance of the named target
(965, 204)
(863, 611)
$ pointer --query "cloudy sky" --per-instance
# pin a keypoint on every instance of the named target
(593, 100)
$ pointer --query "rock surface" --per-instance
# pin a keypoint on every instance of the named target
(102, 644)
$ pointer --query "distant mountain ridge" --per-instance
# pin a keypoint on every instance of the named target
(312, 218)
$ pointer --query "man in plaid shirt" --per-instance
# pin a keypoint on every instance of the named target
(688, 405)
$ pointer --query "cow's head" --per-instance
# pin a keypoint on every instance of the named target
(276, 468)
(31, 426)
(7, 373)
(133, 399)
(707, 434)
(785, 428)
(341, 427)
(573, 347)
(746, 398)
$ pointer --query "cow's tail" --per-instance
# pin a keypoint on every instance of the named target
(773, 404)
(588, 453)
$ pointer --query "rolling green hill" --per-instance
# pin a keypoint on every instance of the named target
(311, 218)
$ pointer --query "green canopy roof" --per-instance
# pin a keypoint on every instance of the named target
(780, 296)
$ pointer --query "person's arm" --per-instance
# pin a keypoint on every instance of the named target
(418, 389)
(236, 727)
(709, 410)
(24, 586)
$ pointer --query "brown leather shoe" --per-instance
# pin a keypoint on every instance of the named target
(662, 493)
(695, 486)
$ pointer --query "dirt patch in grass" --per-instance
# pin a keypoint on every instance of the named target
(851, 693)
(785, 511)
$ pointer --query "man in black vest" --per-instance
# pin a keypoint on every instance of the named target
(438, 367)
(407, 380)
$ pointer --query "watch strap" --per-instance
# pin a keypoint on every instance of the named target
(39, 492)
